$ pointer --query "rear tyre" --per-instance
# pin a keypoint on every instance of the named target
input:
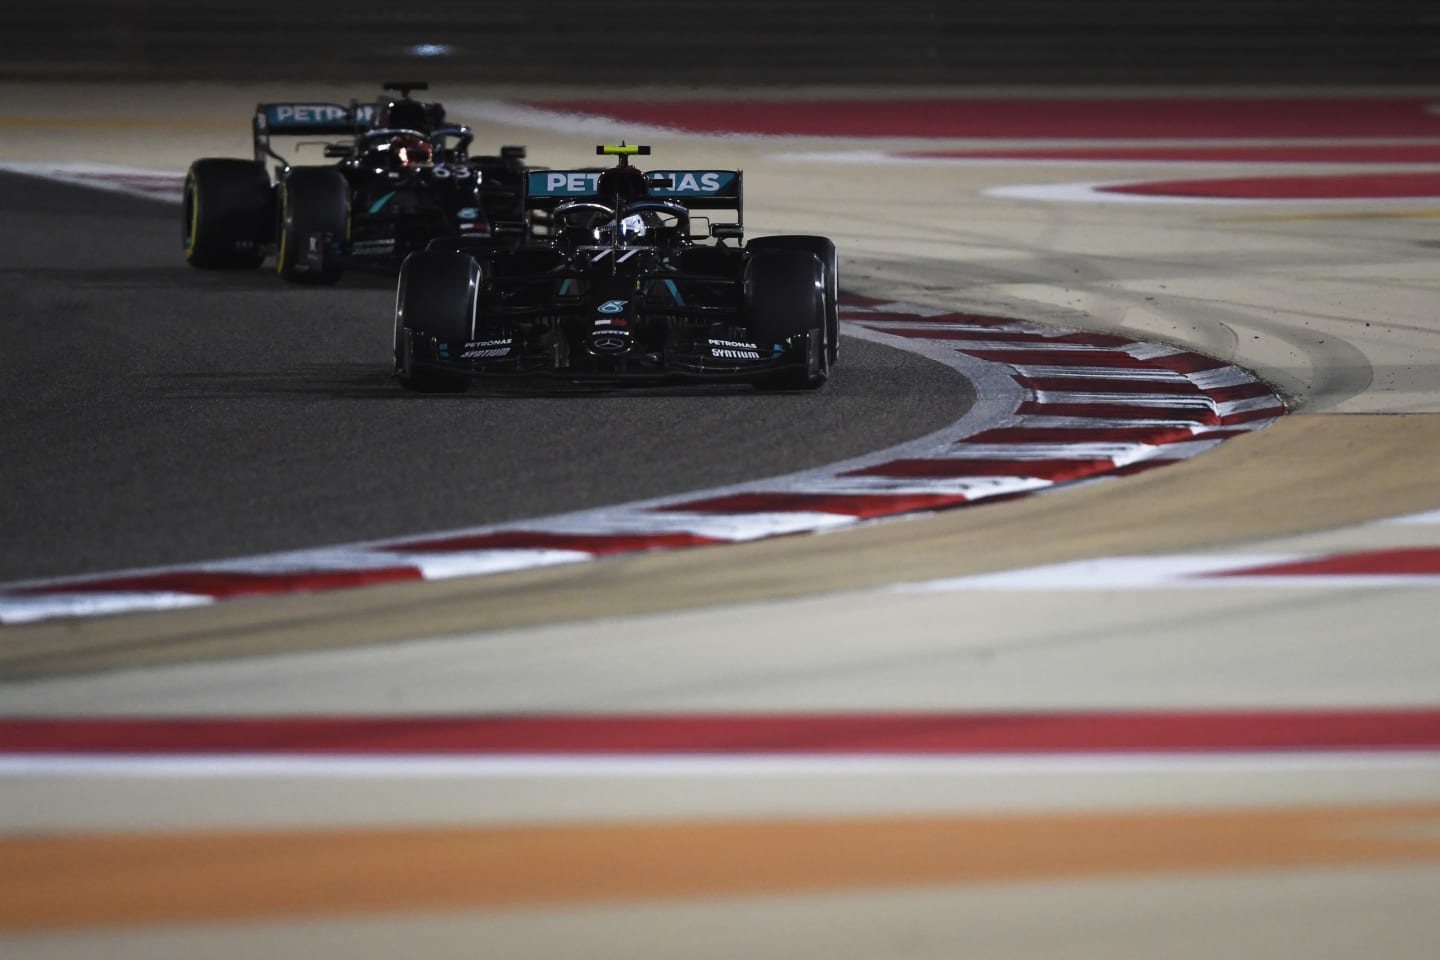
(227, 214)
(435, 297)
(824, 250)
(785, 297)
(314, 224)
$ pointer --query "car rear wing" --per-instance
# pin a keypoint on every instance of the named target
(306, 120)
(693, 189)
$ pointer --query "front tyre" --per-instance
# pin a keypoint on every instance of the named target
(785, 298)
(824, 250)
(314, 225)
(435, 299)
(226, 214)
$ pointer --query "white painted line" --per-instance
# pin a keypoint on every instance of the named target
(27, 609)
(1043, 422)
(473, 563)
(1176, 572)
(1180, 400)
(1429, 517)
(1101, 191)
(1100, 450)
(735, 527)
(145, 766)
(1101, 573)
(971, 487)
(1021, 155)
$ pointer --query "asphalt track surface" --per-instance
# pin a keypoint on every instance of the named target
(157, 414)
(1205, 851)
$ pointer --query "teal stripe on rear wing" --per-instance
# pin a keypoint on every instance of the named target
(307, 119)
(695, 184)
(698, 188)
(561, 184)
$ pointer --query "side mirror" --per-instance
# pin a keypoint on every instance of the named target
(337, 150)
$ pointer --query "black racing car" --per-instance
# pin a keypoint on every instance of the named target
(625, 277)
(400, 177)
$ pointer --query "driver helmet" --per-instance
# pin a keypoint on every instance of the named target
(409, 150)
(632, 228)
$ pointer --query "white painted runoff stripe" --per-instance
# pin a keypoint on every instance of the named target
(991, 155)
(1177, 572)
(25, 609)
(1104, 191)
(1098, 574)
(1429, 517)
(381, 767)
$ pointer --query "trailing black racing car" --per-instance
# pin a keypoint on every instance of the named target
(625, 277)
(400, 177)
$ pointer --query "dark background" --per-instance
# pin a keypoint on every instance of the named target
(734, 42)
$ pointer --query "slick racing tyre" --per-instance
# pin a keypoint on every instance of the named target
(314, 224)
(824, 250)
(785, 296)
(227, 214)
(435, 297)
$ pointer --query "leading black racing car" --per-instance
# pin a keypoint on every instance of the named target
(624, 278)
